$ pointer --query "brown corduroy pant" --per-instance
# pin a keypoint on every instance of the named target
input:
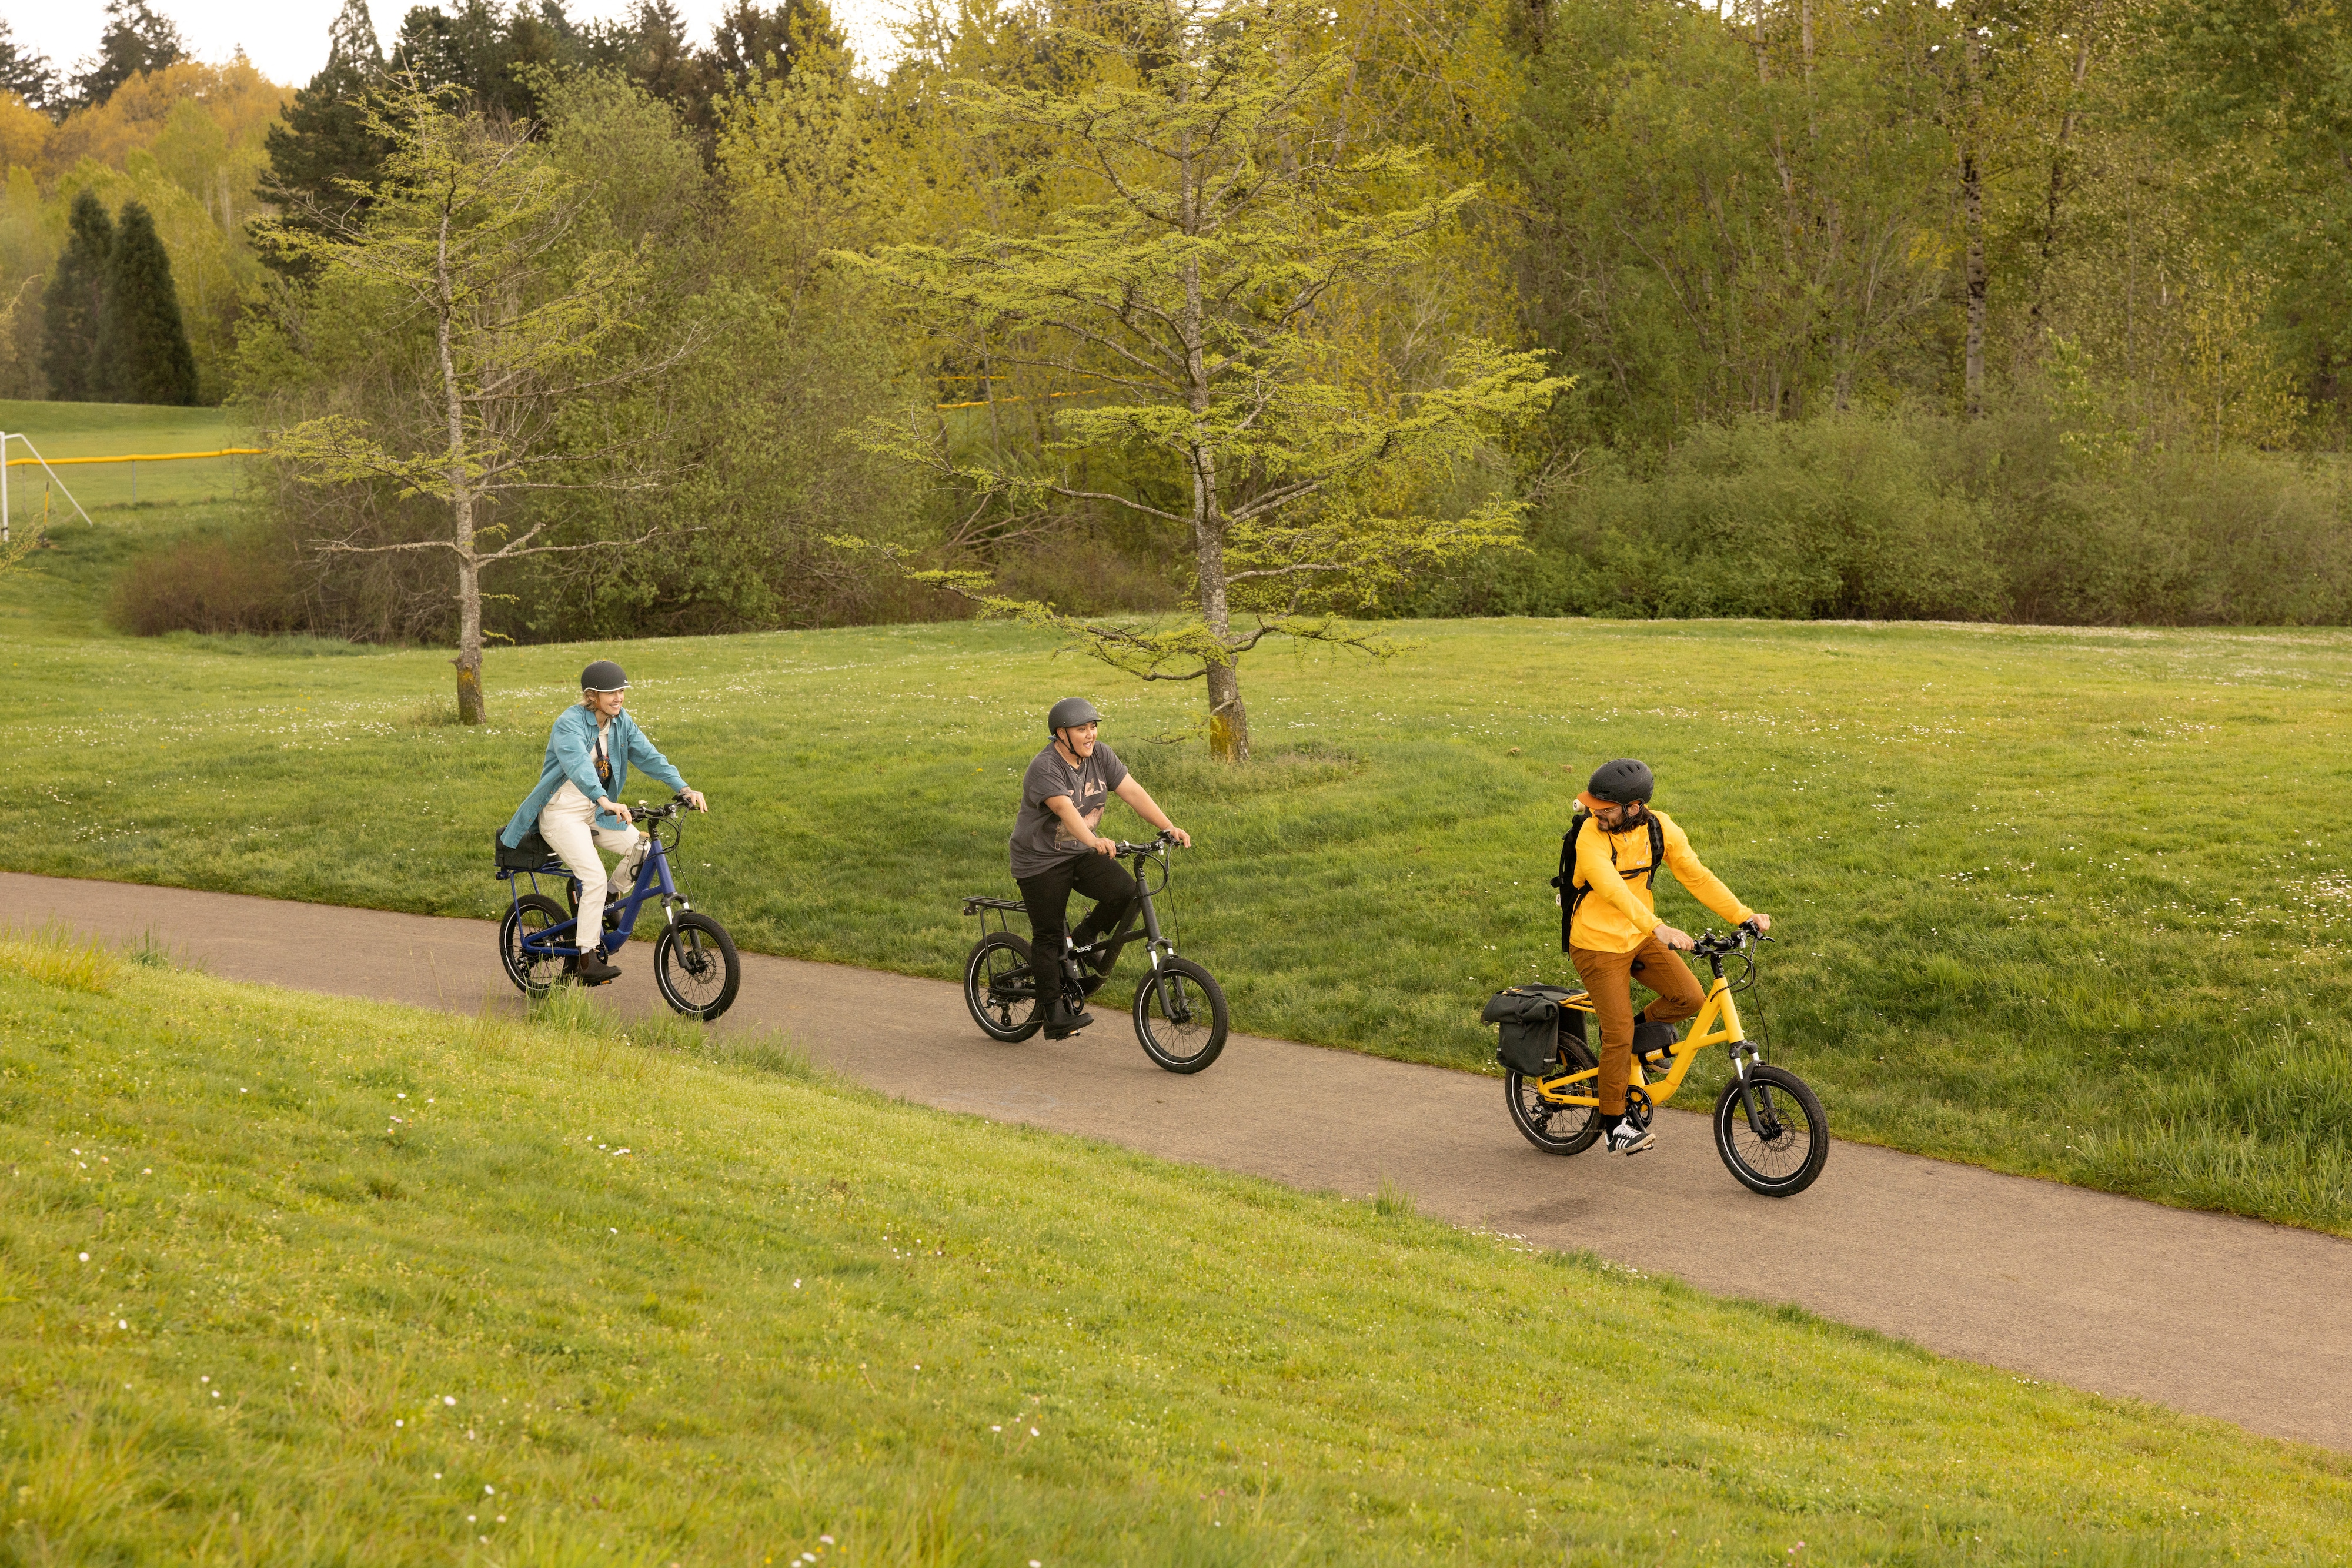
(1609, 978)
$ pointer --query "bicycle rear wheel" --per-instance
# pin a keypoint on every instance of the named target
(1554, 1129)
(1179, 1016)
(534, 974)
(696, 968)
(1000, 989)
(1786, 1148)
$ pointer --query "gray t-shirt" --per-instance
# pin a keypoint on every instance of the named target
(1042, 840)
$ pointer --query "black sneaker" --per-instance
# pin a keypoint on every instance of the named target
(1626, 1139)
(595, 968)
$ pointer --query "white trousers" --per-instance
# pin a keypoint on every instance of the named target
(568, 823)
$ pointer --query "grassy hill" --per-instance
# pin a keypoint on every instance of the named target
(294, 1280)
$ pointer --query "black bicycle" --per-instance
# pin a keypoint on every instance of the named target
(1179, 1008)
(695, 966)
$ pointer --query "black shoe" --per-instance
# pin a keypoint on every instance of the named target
(595, 968)
(1061, 1022)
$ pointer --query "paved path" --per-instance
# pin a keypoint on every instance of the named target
(2229, 1317)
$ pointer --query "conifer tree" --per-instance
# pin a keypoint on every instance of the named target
(143, 345)
(325, 145)
(70, 306)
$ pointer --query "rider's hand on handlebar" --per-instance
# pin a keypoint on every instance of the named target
(1104, 846)
(1181, 836)
(694, 799)
(1762, 923)
(1680, 941)
(616, 807)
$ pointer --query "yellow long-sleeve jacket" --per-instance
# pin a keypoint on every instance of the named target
(1619, 915)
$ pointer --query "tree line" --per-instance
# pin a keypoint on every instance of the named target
(2024, 309)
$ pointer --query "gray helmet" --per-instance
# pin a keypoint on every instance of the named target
(1622, 782)
(1069, 713)
(603, 675)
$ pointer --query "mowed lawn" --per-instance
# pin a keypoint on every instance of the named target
(2074, 902)
(300, 1280)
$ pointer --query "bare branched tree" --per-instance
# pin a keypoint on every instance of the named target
(475, 233)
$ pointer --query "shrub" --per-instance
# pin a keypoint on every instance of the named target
(206, 585)
(1915, 516)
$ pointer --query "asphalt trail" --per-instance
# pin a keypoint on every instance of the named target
(2210, 1313)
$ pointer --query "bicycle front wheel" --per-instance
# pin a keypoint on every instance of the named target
(1179, 1016)
(696, 968)
(1553, 1128)
(1780, 1153)
(999, 988)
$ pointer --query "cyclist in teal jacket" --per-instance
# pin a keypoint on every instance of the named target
(576, 805)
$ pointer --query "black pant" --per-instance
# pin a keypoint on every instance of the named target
(1101, 878)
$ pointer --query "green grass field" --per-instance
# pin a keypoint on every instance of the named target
(2069, 903)
(301, 1281)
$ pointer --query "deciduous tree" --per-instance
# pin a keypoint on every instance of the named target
(476, 237)
(1184, 303)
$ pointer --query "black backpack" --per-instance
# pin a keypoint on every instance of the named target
(1572, 894)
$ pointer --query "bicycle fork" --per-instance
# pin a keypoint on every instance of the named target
(1760, 1114)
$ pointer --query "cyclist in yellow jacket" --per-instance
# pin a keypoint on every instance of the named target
(1614, 931)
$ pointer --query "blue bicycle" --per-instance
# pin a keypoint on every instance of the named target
(695, 966)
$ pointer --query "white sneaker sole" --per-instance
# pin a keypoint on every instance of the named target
(1636, 1147)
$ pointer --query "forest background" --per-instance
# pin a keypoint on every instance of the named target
(2026, 311)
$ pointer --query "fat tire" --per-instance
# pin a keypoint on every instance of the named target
(532, 977)
(1519, 1094)
(981, 969)
(1150, 1003)
(1790, 1091)
(667, 957)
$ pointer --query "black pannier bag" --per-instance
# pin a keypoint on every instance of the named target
(530, 855)
(1532, 1017)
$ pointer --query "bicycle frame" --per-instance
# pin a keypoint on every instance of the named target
(1718, 1024)
(652, 875)
(1155, 945)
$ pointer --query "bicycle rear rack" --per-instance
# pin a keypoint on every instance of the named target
(1001, 908)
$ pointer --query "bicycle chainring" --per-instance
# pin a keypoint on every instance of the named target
(1638, 1109)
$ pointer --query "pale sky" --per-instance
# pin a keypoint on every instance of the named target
(287, 39)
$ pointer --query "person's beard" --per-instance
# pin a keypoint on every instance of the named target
(1633, 817)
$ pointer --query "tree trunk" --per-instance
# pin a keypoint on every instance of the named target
(1972, 210)
(469, 641)
(1228, 719)
(2036, 325)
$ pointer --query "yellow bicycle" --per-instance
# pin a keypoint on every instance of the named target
(1769, 1127)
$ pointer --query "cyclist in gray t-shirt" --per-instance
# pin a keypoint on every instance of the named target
(1055, 851)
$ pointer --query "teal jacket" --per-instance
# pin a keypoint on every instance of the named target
(572, 754)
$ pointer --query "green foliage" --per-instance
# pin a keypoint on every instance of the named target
(2036, 514)
(74, 302)
(373, 1284)
(1189, 293)
(136, 40)
(323, 154)
(143, 345)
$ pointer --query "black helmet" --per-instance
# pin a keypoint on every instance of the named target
(603, 675)
(1624, 781)
(1070, 713)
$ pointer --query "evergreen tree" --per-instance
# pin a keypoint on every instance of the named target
(143, 345)
(749, 42)
(136, 40)
(25, 72)
(324, 143)
(70, 306)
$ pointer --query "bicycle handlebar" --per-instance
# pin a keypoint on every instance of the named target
(1151, 847)
(1740, 937)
